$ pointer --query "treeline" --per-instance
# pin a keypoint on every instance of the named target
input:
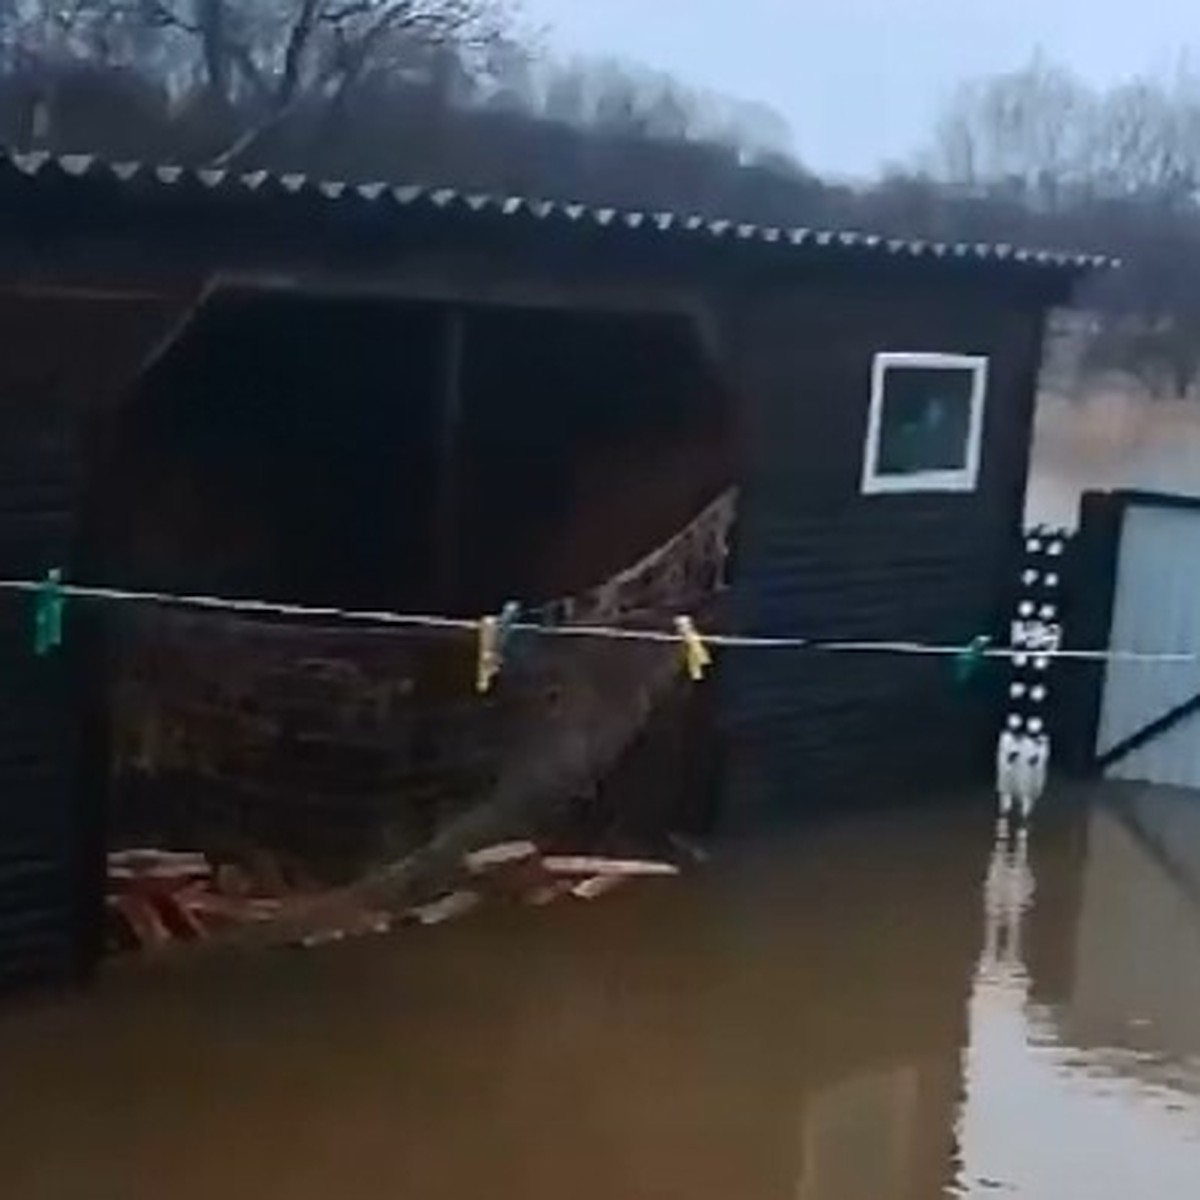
(458, 92)
(448, 91)
(1038, 155)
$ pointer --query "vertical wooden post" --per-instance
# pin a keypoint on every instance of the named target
(446, 531)
(1092, 588)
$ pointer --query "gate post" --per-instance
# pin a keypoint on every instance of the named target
(1092, 577)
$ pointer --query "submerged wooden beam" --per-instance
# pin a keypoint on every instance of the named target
(557, 757)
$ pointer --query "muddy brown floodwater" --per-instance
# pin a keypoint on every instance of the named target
(881, 1008)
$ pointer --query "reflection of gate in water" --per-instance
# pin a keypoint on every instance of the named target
(1008, 895)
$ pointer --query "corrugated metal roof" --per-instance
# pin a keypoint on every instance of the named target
(39, 165)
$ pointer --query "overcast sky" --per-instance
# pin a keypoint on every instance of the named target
(861, 81)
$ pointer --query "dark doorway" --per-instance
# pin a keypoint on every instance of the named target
(282, 449)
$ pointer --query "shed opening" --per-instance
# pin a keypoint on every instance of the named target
(328, 451)
(375, 454)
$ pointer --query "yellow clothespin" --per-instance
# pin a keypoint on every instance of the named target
(695, 653)
(487, 662)
(495, 634)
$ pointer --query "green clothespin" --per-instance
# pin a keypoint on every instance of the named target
(969, 661)
(49, 603)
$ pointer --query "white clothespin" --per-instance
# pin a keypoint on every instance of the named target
(487, 656)
(494, 635)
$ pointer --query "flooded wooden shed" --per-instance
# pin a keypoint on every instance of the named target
(412, 398)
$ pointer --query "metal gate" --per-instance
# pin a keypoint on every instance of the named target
(1149, 713)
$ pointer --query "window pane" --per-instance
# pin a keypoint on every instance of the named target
(926, 420)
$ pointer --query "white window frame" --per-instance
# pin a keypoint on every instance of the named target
(964, 479)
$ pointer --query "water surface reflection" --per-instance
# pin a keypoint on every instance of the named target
(852, 1013)
(1081, 1071)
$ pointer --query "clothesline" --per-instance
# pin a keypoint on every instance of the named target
(385, 618)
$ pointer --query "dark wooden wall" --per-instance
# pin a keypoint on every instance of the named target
(816, 558)
(61, 357)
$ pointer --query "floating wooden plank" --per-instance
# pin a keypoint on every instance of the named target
(502, 854)
(597, 886)
(157, 864)
(367, 923)
(216, 906)
(576, 864)
(166, 874)
(152, 858)
(445, 908)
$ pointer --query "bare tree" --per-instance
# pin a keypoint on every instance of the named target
(1028, 130)
(1146, 139)
(1039, 154)
(253, 64)
(274, 56)
(1042, 131)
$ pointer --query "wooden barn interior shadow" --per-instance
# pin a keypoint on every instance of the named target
(416, 457)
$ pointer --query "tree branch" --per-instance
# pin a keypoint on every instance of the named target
(359, 28)
(160, 15)
(297, 45)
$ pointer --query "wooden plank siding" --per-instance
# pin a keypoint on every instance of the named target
(59, 356)
(816, 558)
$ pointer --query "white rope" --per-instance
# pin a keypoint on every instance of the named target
(387, 618)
